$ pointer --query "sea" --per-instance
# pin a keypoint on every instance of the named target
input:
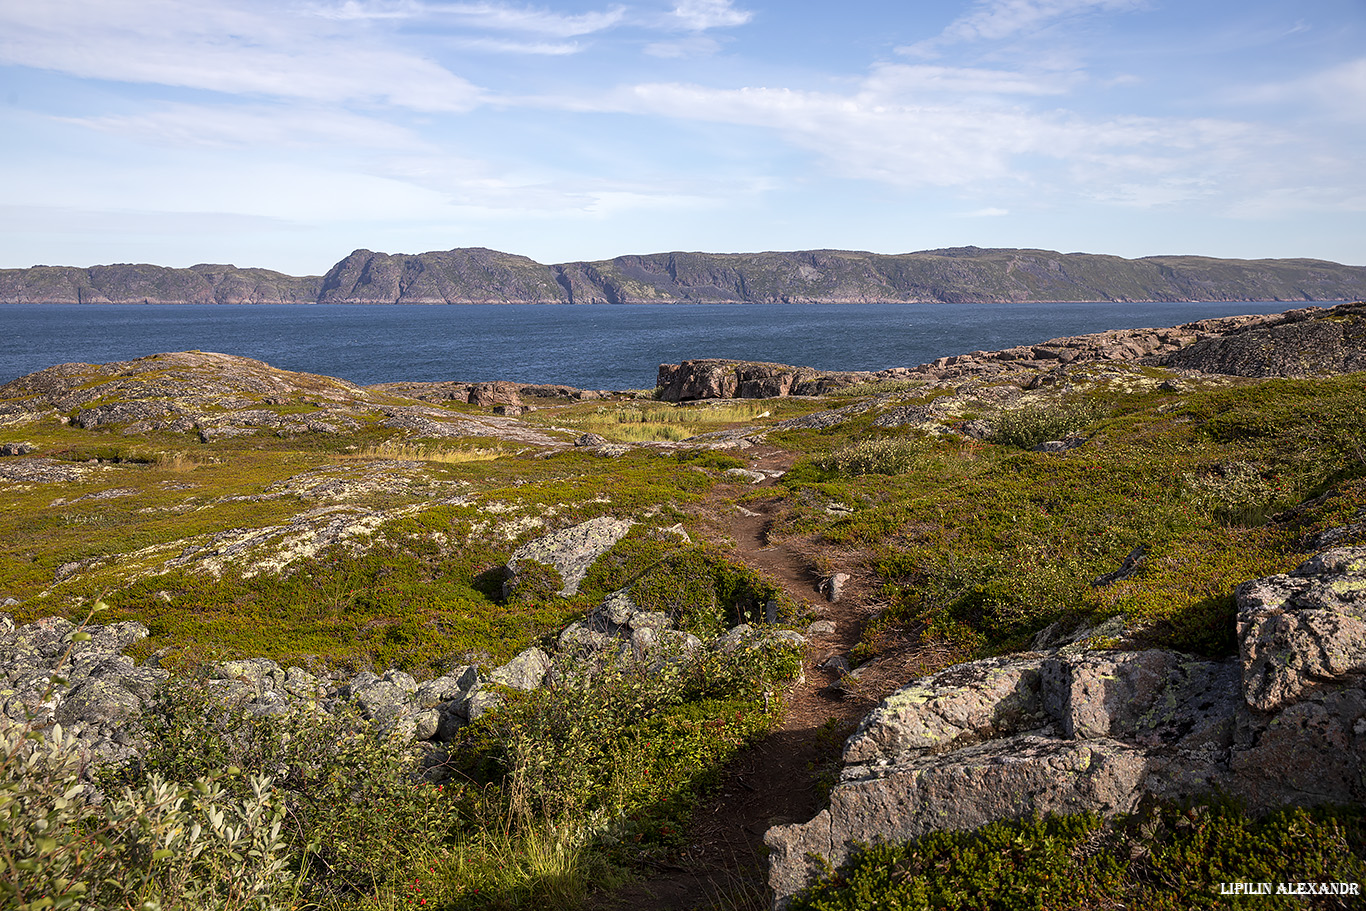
(598, 346)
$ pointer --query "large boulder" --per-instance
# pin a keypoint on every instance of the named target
(571, 551)
(1067, 730)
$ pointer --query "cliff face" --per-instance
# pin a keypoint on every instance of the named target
(479, 275)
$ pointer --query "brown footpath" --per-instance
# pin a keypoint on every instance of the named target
(785, 777)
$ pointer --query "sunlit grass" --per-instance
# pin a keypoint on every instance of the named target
(420, 452)
(636, 422)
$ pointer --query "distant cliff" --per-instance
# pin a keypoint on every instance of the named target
(478, 275)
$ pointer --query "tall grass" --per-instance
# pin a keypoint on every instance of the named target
(642, 422)
(421, 452)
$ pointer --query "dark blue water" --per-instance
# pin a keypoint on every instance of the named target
(592, 347)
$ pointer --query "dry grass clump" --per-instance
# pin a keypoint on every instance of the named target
(421, 452)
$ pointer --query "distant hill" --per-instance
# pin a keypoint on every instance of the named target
(478, 275)
(125, 283)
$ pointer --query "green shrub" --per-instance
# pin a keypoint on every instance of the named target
(356, 815)
(1166, 858)
(160, 845)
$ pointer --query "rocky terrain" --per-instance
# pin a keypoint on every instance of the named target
(1075, 729)
(1082, 575)
(482, 276)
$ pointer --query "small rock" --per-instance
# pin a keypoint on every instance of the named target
(833, 586)
(821, 628)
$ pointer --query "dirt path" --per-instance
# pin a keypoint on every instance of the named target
(784, 778)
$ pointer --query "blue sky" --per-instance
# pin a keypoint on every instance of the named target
(286, 133)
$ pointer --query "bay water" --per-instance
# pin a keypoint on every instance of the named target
(591, 347)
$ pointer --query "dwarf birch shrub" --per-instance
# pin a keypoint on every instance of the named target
(158, 847)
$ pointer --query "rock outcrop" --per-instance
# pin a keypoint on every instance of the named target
(717, 378)
(1070, 730)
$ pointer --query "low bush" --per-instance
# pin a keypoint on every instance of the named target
(888, 455)
(1167, 858)
(159, 845)
(1028, 427)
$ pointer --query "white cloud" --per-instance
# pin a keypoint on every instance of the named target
(253, 126)
(691, 46)
(997, 19)
(234, 50)
(896, 79)
(540, 48)
(1338, 91)
(489, 16)
(895, 129)
(701, 15)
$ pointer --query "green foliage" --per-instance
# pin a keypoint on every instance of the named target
(639, 740)
(1031, 425)
(1168, 858)
(160, 845)
(534, 581)
(985, 545)
(355, 814)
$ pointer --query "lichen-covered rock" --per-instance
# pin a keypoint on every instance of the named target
(1018, 776)
(1070, 729)
(571, 551)
(958, 706)
(1303, 629)
(523, 672)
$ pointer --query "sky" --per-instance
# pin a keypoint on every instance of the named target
(286, 133)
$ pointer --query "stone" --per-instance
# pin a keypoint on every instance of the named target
(1074, 729)
(487, 395)
(480, 703)
(1300, 630)
(1024, 775)
(833, 586)
(571, 551)
(524, 672)
(821, 628)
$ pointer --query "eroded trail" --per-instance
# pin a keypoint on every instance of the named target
(785, 777)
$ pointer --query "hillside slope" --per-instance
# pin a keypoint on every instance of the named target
(479, 275)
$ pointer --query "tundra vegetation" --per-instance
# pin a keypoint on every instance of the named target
(370, 546)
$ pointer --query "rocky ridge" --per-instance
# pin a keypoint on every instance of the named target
(101, 691)
(1066, 729)
(1304, 342)
(220, 396)
(482, 276)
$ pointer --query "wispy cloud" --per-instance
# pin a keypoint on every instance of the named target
(701, 15)
(993, 20)
(691, 46)
(242, 50)
(491, 16)
(253, 126)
